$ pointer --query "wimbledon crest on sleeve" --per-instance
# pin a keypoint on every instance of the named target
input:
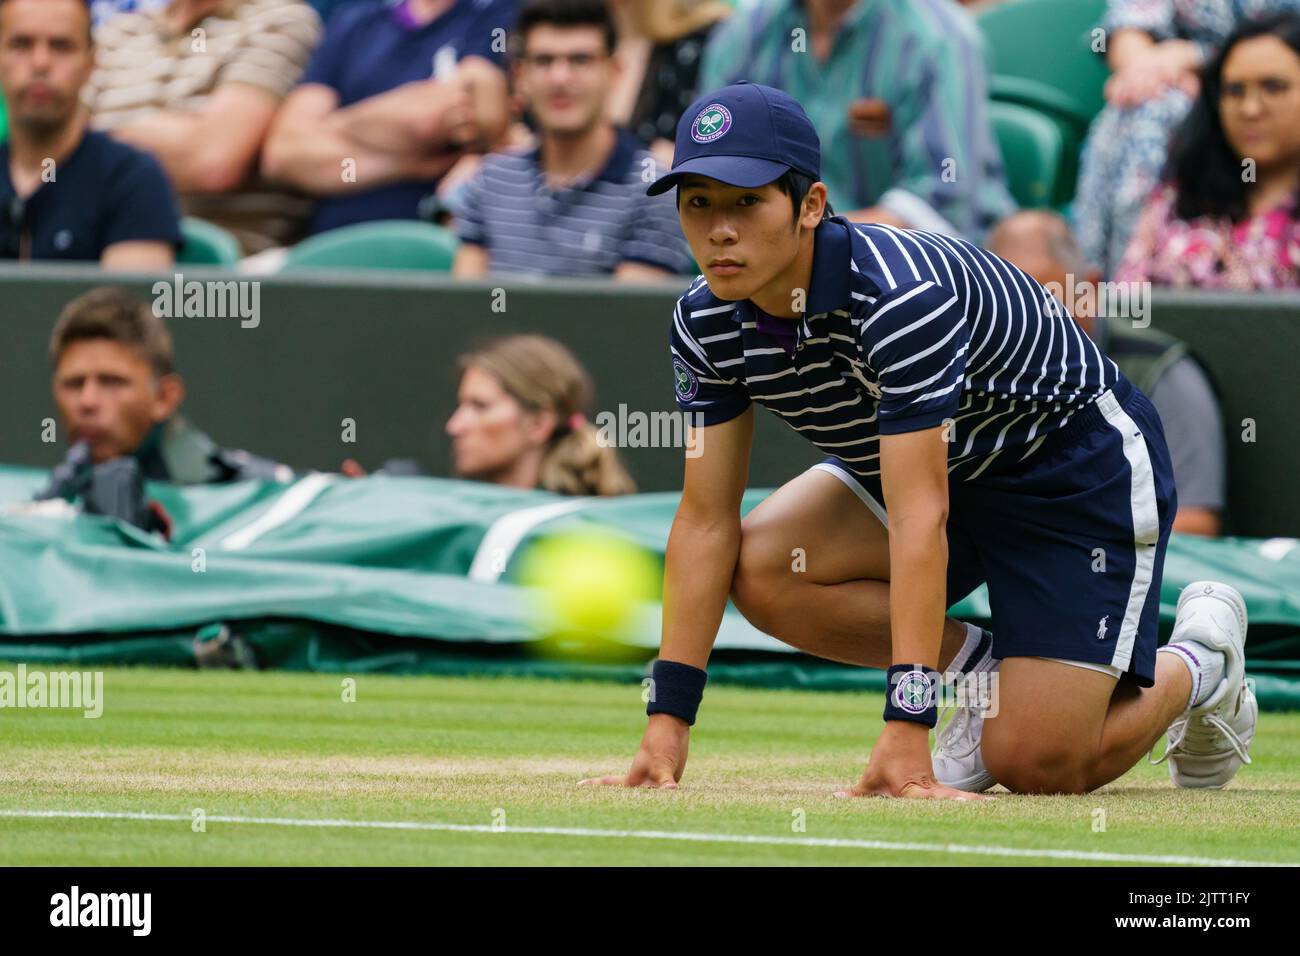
(687, 384)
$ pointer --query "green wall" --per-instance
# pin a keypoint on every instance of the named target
(380, 349)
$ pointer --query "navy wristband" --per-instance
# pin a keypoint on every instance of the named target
(910, 694)
(675, 688)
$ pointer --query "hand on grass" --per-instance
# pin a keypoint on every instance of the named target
(660, 761)
(900, 767)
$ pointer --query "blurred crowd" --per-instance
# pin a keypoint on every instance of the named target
(528, 129)
(525, 133)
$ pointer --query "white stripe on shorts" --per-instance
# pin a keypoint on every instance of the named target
(864, 496)
(1110, 670)
(1146, 524)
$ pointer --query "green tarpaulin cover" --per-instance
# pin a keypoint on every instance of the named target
(417, 575)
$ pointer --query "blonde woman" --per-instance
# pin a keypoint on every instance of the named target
(520, 420)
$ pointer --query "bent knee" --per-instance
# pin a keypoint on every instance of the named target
(765, 573)
(1041, 770)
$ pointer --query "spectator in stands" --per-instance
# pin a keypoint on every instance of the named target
(1228, 216)
(660, 45)
(1155, 50)
(1040, 243)
(238, 60)
(118, 395)
(394, 96)
(575, 204)
(65, 192)
(897, 93)
(520, 421)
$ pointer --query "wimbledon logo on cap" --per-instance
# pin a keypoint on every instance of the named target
(710, 123)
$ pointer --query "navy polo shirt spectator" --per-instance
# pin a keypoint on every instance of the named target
(585, 228)
(372, 47)
(104, 193)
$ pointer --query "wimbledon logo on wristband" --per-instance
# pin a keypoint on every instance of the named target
(916, 691)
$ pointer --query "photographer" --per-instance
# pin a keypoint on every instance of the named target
(118, 396)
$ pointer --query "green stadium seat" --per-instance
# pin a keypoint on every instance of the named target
(1033, 150)
(1046, 99)
(206, 244)
(1041, 56)
(1042, 50)
(389, 244)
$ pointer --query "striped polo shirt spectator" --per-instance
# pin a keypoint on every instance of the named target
(903, 330)
(937, 165)
(587, 227)
(142, 67)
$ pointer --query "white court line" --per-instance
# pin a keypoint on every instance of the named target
(688, 837)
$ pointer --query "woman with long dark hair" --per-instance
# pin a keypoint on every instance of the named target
(1156, 50)
(1227, 215)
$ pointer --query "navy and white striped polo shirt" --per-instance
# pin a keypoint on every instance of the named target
(585, 228)
(903, 330)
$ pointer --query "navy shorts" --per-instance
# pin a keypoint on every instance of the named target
(1071, 541)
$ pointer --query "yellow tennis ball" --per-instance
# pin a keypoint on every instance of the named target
(590, 582)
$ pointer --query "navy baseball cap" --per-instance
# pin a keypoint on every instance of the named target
(743, 135)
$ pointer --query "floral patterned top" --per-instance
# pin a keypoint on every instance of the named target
(1126, 147)
(1259, 253)
(1205, 22)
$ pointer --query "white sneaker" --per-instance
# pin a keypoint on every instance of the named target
(1209, 743)
(956, 755)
